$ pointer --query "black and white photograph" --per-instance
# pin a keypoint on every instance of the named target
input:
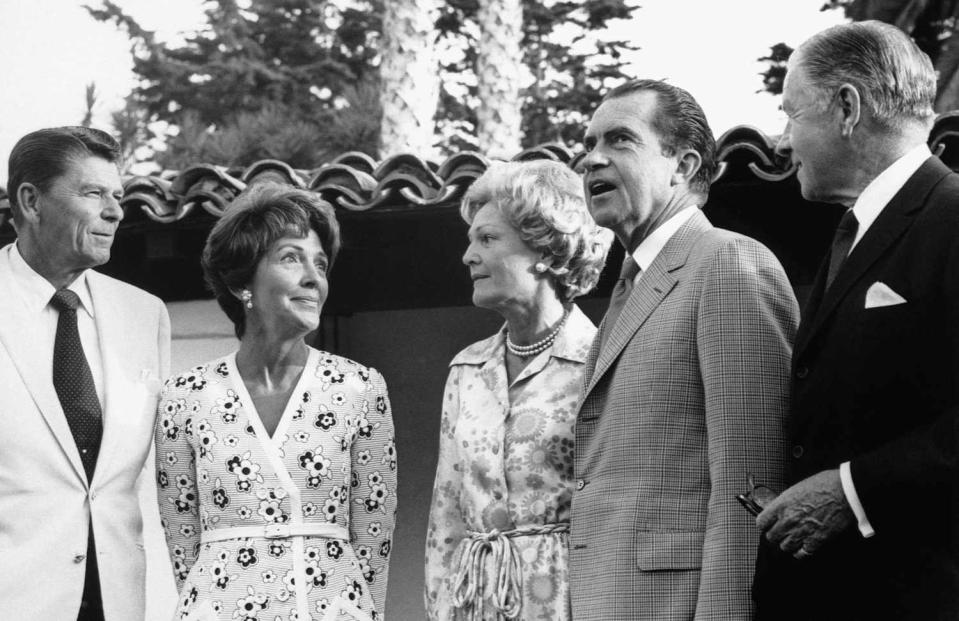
(479, 310)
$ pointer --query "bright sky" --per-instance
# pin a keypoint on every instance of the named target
(51, 49)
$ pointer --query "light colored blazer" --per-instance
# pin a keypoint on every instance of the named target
(45, 502)
(687, 398)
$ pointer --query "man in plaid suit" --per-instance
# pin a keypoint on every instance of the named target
(686, 383)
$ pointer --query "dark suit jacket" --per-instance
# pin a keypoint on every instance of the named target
(880, 387)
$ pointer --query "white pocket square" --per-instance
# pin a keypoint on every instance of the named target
(879, 294)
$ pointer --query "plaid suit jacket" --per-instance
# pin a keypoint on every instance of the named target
(687, 398)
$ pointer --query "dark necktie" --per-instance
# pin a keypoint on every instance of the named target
(73, 382)
(621, 293)
(841, 244)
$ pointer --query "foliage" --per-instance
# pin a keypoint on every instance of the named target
(291, 67)
(130, 127)
(276, 131)
(932, 24)
(90, 100)
(302, 76)
(773, 76)
(570, 62)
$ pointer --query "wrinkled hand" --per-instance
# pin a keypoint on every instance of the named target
(807, 515)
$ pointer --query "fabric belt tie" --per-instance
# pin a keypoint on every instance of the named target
(470, 590)
(276, 531)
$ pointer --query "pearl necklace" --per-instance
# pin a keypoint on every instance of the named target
(527, 351)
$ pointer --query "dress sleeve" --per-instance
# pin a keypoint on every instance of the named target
(446, 525)
(176, 480)
(373, 511)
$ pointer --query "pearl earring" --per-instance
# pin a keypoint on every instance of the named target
(540, 267)
(247, 298)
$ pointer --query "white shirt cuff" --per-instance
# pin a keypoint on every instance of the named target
(845, 475)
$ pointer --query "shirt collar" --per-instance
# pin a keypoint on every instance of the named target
(572, 343)
(649, 248)
(37, 290)
(881, 189)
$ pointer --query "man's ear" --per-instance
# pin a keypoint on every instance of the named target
(688, 162)
(28, 199)
(850, 108)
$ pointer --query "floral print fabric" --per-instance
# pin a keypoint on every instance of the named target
(331, 459)
(506, 462)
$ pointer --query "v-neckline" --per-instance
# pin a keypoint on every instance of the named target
(254, 416)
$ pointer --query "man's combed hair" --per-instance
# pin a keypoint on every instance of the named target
(254, 221)
(42, 156)
(680, 123)
(543, 200)
(895, 79)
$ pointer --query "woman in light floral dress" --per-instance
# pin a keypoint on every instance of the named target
(276, 465)
(498, 530)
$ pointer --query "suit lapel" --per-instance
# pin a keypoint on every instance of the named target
(892, 223)
(653, 287)
(113, 342)
(811, 307)
(36, 374)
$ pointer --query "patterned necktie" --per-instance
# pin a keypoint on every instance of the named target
(73, 382)
(621, 293)
(841, 244)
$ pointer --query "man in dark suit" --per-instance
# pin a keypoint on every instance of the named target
(867, 526)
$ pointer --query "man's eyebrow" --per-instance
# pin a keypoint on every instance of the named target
(87, 185)
(619, 129)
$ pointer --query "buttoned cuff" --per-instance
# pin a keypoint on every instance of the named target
(849, 490)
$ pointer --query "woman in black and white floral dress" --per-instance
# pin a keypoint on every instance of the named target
(276, 464)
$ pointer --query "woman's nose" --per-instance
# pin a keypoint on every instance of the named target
(469, 257)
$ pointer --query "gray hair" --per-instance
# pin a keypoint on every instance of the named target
(544, 201)
(895, 79)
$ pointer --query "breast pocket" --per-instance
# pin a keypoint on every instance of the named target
(665, 551)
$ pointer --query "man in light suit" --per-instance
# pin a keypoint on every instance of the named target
(686, 384)
(81, 355)
(868, 527)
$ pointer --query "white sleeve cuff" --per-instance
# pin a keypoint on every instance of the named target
(845, 475)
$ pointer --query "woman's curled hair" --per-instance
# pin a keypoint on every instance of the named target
(544, 201)
(254, 221)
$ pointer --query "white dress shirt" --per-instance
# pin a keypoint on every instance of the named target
(36, 291)
(866, 209)
(649, 248)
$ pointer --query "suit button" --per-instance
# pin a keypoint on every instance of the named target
(79, 558)
(802, 372)
(580, 484)
(798, 451)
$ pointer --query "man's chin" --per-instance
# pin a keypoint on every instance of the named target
(604, 212)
